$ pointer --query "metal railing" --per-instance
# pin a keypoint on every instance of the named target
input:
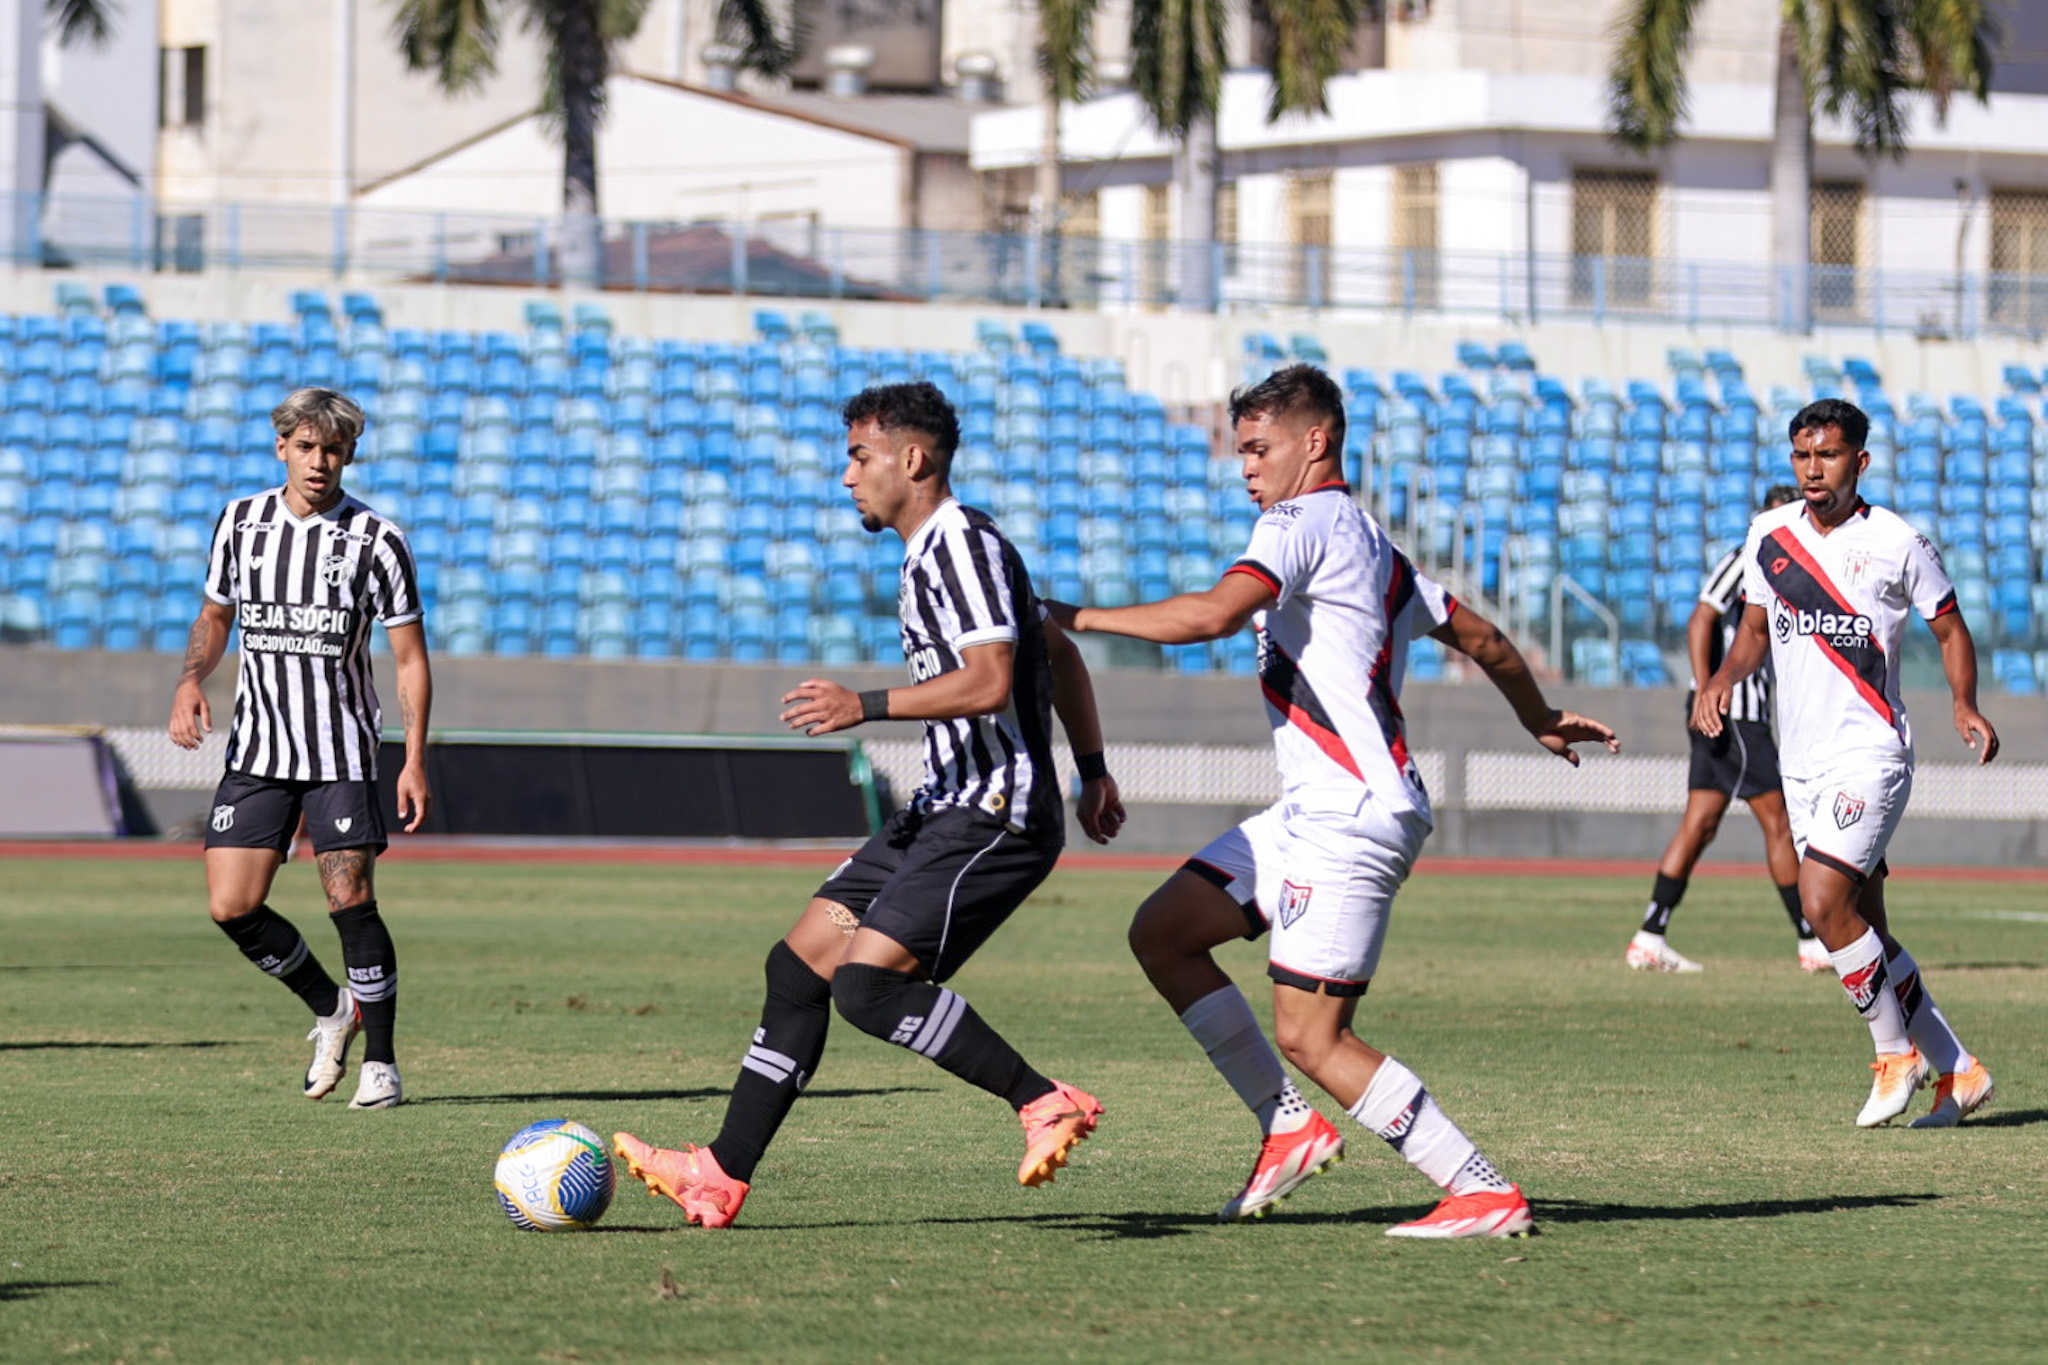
(803, 259)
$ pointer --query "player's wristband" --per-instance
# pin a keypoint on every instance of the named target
(1091, 767)
(874, 704)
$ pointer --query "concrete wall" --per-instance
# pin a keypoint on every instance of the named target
(1144, 709)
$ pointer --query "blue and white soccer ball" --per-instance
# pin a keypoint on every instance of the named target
(554, 1176)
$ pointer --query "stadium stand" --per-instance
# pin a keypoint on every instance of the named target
(575, 491)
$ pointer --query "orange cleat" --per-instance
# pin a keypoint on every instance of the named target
(1286, 1161)
(1489, 1213)
(1957, 1095)
(1053, 1124)
(690, 1177)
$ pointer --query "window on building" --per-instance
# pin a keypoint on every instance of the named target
(181, 93)
(1836, 246)
(2019, 258)
(1227, 224)
(1416, 218)
(1081, 215)
(1310, 208)
(1158, 242)
(1613, 237)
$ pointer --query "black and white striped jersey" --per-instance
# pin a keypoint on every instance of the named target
(962, 585)
(305, 591)
(1722, 590)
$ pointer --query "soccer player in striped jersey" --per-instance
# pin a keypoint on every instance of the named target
(1830, 581)
(1336, 605)
(1741, 761)
(900, 916)
(303, 570)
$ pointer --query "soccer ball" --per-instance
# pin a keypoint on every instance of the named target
(554, 1176)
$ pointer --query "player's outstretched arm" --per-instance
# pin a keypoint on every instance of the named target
(1100, 807)
(1745, 656)
(1959, 663)
(191, 717)
(1481, 641)
(979, 687)
(1183, 619)
(415, 702)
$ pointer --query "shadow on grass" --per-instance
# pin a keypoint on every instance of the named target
(2023, 966)
(647, 1096)
(35, 1289)
(54, 1045)
(1153, 1226)
(2007, 1118)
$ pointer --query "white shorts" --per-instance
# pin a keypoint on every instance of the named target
(1324, 884)
(1844, 817)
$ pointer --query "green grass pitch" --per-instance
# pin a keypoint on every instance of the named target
(167, 1195)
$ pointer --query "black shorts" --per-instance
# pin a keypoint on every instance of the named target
(940, 882)
(263, 812)
(1740, 761)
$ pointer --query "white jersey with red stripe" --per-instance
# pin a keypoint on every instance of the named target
(1836, 608)
(1333, 648)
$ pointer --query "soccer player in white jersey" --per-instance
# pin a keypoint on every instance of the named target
(1830, 581)
(303, 569)
(1740, 761)
(1336, 605)
(903, 913)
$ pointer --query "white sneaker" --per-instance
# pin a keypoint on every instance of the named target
(378, 1087)
(1899, 1074)
(1648, 952)
(331, 1035)
(1813, 956)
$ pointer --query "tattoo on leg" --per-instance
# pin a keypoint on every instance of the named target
(842, 918)
(345, 875)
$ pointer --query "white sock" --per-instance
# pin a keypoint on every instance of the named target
(1223, 1023)
(1926, 1025)
(1861, 967)
(1398, 1108)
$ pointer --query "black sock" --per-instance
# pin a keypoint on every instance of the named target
(372, 962)
(270, 941)
(1664, 898)
(795, 1015)
(1790, 895)
(933, 1022)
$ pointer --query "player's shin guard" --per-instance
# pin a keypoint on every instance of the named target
(796, 1013)
(372, 962)
(933, 1022)
(1398, 1108)
(271, 941)
(1223, 1023)
(1926, 1025)
(1861, 967)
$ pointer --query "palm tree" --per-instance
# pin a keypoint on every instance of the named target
(458, 41)
(1177, 62)
(83, 21)
(1066, 44)
(1847, 58)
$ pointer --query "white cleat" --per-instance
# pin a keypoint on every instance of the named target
(1899, 1074)
(1957, 1096)
(331, 1035)
(1813, 957)
(1649, 952)
(378, 1087)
